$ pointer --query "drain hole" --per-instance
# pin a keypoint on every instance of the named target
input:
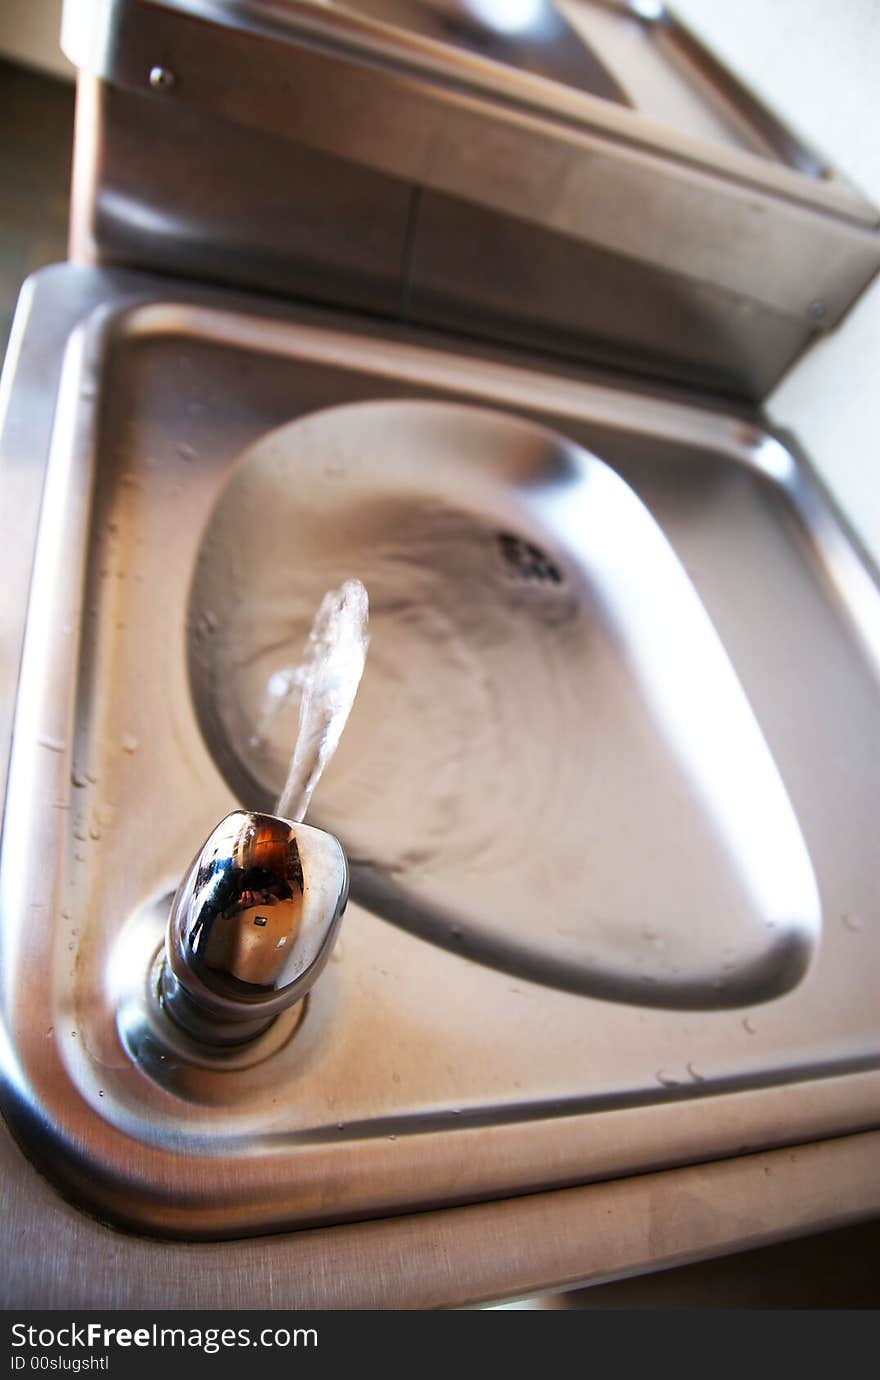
(527, 562)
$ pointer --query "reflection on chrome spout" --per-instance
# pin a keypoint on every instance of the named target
(251, 926)
(255, 917)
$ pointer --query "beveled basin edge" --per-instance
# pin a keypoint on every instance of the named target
(92, 1160)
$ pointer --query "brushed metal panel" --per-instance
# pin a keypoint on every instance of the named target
(486, 274)
(758, 256)
(550, 766)
(201, 197)
(445, 1259)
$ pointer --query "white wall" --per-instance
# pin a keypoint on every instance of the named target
(817, 62)
(29, 32)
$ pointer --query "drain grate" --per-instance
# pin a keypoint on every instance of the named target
(526, 561)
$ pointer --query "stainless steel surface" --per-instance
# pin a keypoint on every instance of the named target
(534, 36)
(299, 221)
(418, 1077)
(105, 38)
(349, 161)
(540, 662)
(251, 926)
(452, 1258)
(487, 274)
(671, 78)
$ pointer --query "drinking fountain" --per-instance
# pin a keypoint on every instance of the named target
(251, 926)
(383, 291)
(254, 919)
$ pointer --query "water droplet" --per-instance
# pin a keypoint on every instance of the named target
(852, 922)
(129, 743)
(280, 683)
(748, 1026)
(53, 744)
(697, 1077)
(77, 779)
(666, 1080)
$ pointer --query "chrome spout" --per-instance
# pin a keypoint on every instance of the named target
(251, 926)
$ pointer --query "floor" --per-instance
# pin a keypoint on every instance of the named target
(36, 116)
(836, 1269)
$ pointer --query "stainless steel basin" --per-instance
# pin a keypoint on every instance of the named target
(550, 766)
(553, 786)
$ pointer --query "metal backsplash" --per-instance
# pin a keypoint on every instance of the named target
(645, 214)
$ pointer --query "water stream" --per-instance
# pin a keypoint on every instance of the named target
(327, 680)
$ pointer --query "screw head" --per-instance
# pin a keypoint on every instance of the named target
(162, 78)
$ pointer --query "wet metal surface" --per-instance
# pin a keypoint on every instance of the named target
(422, 1073)
(550, 765)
